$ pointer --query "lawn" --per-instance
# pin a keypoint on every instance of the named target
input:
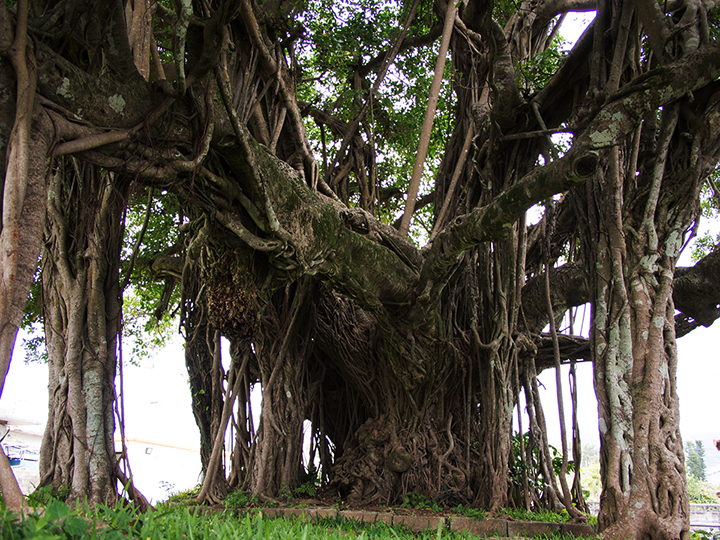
(58, 521)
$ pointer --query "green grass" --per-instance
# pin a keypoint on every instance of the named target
(60, 522)
(546, 516)
(469, 511)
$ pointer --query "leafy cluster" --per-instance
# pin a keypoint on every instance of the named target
(707, 240)
(534, 73)
(695, 459)
(148, 325)
(700, 492)
(531, 465)
(417, 500)
(545, 516)
(339, 42)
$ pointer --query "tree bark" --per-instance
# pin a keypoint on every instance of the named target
(82, 319)
(426, 131)
(637, 243)
(282, 352)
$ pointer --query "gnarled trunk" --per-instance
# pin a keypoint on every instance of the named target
(282, 350)
(637, 241)
(82, 319)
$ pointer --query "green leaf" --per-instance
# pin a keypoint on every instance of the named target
(76, 527)
(55, 511)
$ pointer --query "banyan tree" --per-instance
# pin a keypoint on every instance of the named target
(274, 153)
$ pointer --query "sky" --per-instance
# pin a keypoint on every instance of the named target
(157, 396)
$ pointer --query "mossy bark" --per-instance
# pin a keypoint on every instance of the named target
(82, 319)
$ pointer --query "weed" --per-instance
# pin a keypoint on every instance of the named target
(238, 499)
(307, 489)
(469, 511)
(545, 516)
(310, 482)
(417, 500)
(43, 495)
(704, 535)
(182, 498)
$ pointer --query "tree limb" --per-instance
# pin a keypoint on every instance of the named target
(609, 127)
(426, 131)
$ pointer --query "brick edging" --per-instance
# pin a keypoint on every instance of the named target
(485, 527)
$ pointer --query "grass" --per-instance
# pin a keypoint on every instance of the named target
(546, 516)
(177, 519)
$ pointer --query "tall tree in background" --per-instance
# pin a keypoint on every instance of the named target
(279, 135)
(695, 459)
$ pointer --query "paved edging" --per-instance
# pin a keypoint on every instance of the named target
(485, 527)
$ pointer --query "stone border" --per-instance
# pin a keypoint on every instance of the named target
(486, 527)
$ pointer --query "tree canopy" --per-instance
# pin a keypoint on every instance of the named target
(245, 164)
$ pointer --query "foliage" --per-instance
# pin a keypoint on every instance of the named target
(59, 522)
(545, 516)
(45, 494)
(504, 9)
(340, 39)
(237, 499)
(32, 321)
(518, 466)
(419, 501)
(185, 497)
(709, 204)
(704, 535)
(714, 22)
(149, 305)
(695, 459)
(700, 492)
(146, 335)
(469, 511)
(591, 482)
(34, 345)
(310, 482)
(534, 73)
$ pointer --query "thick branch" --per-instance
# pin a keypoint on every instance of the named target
(697, 289)
(569, 288)
(495, 221)
(696, 293)
(319, 236)
(654, 22)
(609, 128)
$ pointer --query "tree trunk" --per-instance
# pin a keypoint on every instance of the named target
(638, 240)
(394, 426)
(282, 351)
(82, 319)
(203, 372)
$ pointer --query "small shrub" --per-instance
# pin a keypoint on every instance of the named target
(545, 516)
(417, 500)
(700, 492)
(704, 535)
(469, 511)
(238, 499)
